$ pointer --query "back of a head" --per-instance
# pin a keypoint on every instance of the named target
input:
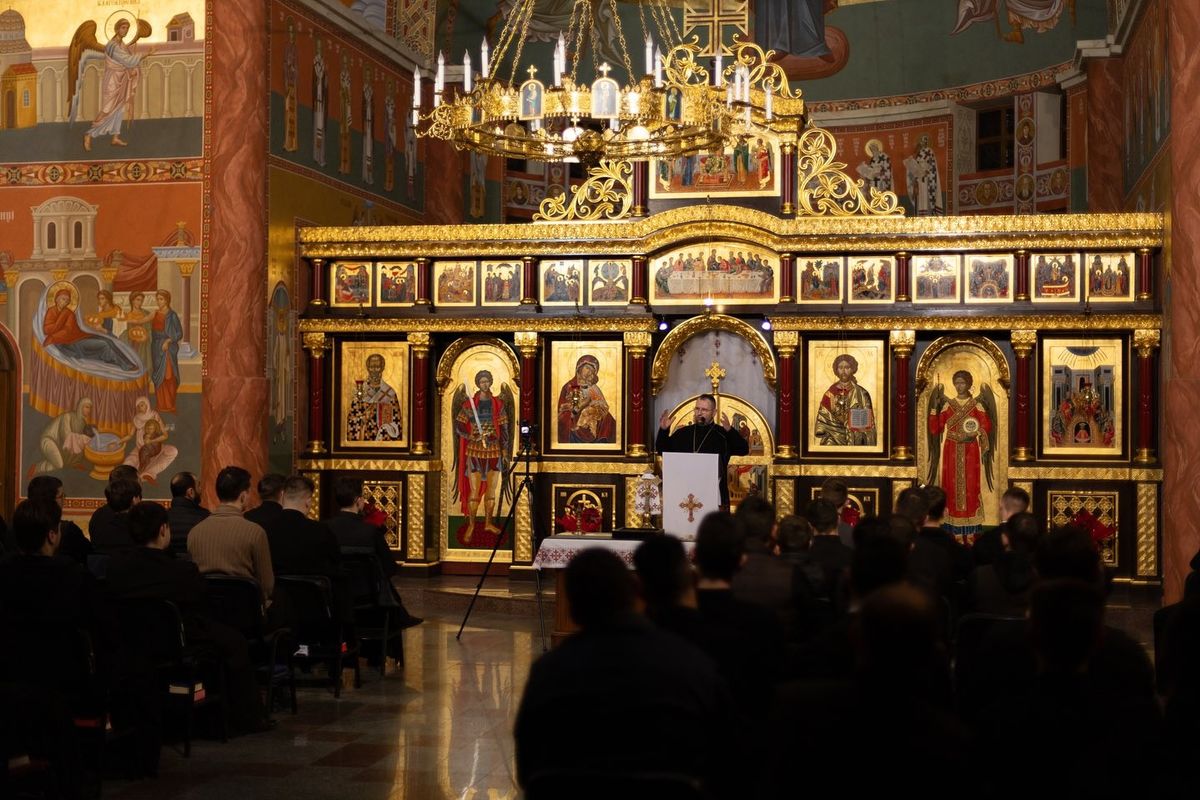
(913, 503)
(822, 514)
(297, 489)
(182, 483)
(879, 558)
(270, 486)
(898, 634)
(1015, 500)
(145, 521)
(794, 534)
(662, 567)
(719, 546)
(1066, 621)
(894, 526)
(757, 518)
(231, 482)
(1023, 532)
(835, 491)
(122, 493)
(936, 496)
(1068, 552)
(123, 472)
(44, 487)
(346, 490)
(599, 588)
(32, 522)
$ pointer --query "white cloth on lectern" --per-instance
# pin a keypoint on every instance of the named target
(690, 490)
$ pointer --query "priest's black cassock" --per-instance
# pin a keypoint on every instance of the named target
(711, 438)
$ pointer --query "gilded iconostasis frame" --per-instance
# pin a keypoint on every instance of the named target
(1003, 303)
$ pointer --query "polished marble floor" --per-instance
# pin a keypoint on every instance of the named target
(442, 728)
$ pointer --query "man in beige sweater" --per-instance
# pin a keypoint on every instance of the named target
(230, 544)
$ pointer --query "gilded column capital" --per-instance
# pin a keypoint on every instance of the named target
(1023, 342)
(316, 344)
(526, 342)
(420, 341)
(638, 342)
(786, 342)
(1146, 342)
(903, 342)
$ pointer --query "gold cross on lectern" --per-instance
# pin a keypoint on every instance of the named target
(690, 505)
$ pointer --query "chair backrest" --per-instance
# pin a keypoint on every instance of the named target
(969, 636)
(311, 597)
(368, 585)
(151, 631)
(237, 602)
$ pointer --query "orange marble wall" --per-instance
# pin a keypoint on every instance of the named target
(235, 399)
(1105, 135)
(1180, 433)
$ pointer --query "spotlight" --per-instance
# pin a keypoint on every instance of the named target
(766, 324)
(663, 325)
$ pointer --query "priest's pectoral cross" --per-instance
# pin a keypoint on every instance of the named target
(690, 506)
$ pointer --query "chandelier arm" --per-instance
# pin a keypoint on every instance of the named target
(579, 37)
(612, 4)
(507, 34)
(524, 37)
(594, 34)
(666, 22)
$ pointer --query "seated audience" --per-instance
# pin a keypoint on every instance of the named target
(110, 534)
(667, 584)
(828, 550)
(301, 545)
(764, 578)
(354, 532)
(270, 495)
(1177, 660)
(938, 561)
(103, 515)
(72, 544)
(149, 571)
(620, 696)
(1002, 588)
(185, 510)
(836, 492)
(226, 542)
(988, 547)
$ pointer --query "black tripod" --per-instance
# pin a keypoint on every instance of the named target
(524, 454)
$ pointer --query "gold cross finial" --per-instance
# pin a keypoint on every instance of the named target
(604, 69)
(715, 373)
(690, 505)
(532, 71)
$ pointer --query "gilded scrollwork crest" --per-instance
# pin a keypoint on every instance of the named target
(661, 367)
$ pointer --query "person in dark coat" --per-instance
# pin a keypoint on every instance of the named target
(102, 517)
(185, 510)
(828, 549)
(705, 436)
(988, 547)
(110, 534)
(620, 695)
(270, 493)
(301, 545)
(354, 533)
(764, 578)
(72, 543)
(1002, 588)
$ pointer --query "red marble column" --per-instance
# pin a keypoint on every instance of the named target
(527, 345)
(902, 280)
(641, 189)
(903, 343)
(234, 403)
(1145, 342)
(420, 392)
(529, 282)
(1021, 265)
(787, 278)
(1105, 134)
(424, 282)
(637, 343)
(316, 345)
(1145, 284)
(638, 294)
(316, 287)
(787, 166)
(1023, 343)
(786, 343)
(1180, 434)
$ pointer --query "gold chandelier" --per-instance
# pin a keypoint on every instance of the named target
(675, 107)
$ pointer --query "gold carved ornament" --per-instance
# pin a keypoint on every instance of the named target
(903, 342)
(661, 366)
(946, 342)
(459, 346)
(1147, 530)
(1146, 342)
(825, 190)
(990, 322)
(498, 325)
(606, 194)
(1023, 342)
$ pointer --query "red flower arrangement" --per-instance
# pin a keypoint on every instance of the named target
(1095, 528)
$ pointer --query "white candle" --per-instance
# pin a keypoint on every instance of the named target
(439, 79)
(467, 72)
(657, 67)
(483, 59)
(649, 56)
(720, 77)
(768, 104)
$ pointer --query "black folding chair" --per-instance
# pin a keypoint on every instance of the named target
(237, 602)
(154, 645)
(376, 611)
(320, 635)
